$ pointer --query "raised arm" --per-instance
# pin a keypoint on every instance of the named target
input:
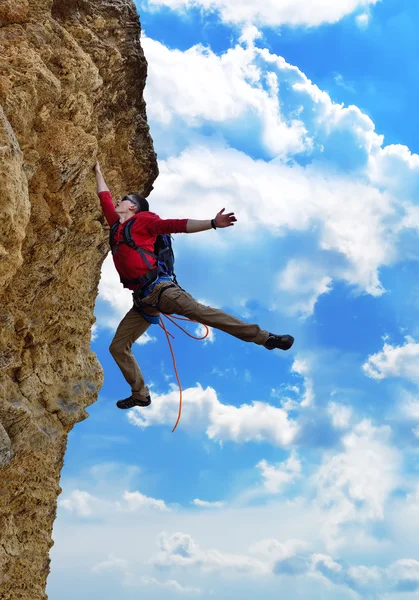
(105, 197)
(101, 183)
(221, 220)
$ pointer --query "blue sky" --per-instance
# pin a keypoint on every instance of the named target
(291, 474)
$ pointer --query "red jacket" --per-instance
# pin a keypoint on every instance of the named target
(146, 228)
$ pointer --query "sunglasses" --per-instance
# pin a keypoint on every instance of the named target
(129, 200)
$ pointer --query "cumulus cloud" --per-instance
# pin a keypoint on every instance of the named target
(303, 367)
(112, 562)
(399, 576)
(181, 550)
(405, 575)
(351, 219)
(305, 282)
(395, 361)
(202, 410)
(354, 200)
(340, 415)
(276, 478)
(270, 13)
(135, 501)
(206, 504)
(131, 579)
(274, 550)
(355, 484)
(94, 333)
(291, 557)
(84, 504)
(363, 20)
(80, 503)
(410, 406)
(225, 88)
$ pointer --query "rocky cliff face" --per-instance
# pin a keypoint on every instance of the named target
(72, 73)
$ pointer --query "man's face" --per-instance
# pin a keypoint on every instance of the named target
(126, 206)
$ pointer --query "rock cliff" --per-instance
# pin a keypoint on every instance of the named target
(72, 74)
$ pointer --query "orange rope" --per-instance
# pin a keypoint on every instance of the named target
(163, 326)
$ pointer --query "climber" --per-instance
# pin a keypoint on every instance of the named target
(155, 292)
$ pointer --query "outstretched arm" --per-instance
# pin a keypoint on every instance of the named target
(105, 197)
(221, 220)
(101, 183)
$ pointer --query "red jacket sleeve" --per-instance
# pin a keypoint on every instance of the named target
(156, 226)
(108, 208)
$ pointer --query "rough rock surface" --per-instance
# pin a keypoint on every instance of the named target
(72, 73)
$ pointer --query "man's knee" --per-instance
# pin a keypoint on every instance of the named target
(116, 348)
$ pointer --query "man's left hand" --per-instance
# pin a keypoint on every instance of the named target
(224, 220)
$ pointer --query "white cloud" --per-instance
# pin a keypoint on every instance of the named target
(401, 575)
(355, 484)
(271, 13)
(135, 501)
(94, 333)
(274, 550)
(363, 20)
(202, 410)
(80, 503)
(169, 585)
(340, 415)
(291, 558)
(206, 504)
(355, 199)
(351, 219)
(305, 282)
(395, 361)
(302, 366)
(404, 574)
(112, 562)
(130, 579)
(198, 85)
(180, 550)
(276, 478)
(84, 504)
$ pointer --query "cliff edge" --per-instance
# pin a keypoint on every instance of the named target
(72, 74)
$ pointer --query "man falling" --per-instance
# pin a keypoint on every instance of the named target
(134, 230)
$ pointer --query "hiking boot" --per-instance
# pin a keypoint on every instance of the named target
(131, 402)
(283, 342)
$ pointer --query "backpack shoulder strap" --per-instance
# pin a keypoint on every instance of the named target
(128, 239)
(112, 233)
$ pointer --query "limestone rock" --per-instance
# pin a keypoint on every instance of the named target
(72, 74)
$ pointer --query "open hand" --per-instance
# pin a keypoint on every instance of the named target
(224, 220)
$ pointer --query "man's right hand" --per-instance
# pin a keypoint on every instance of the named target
(101, 184)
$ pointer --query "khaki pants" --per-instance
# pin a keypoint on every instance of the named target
(172, 301)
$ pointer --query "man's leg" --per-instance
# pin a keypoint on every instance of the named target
(175, 300)
(132, 326)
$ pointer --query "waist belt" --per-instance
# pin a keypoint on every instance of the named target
(143, 280)
(146, 289)
(141, 293)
